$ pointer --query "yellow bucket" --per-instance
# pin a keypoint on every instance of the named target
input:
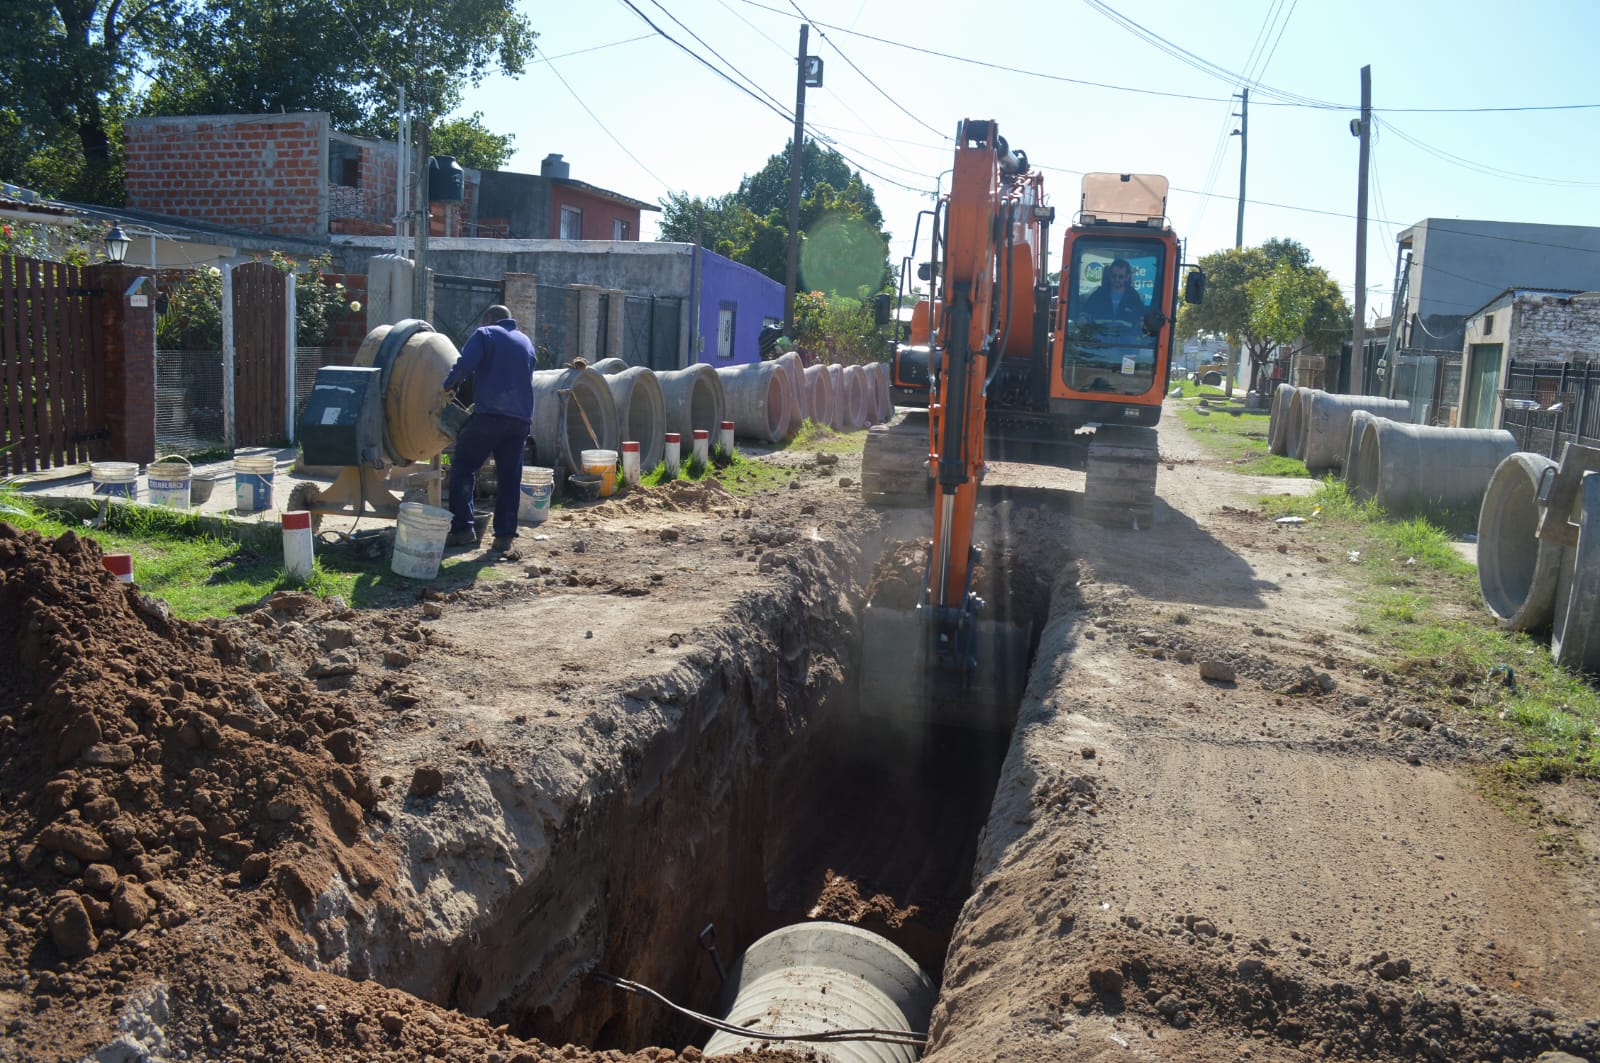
(601, 463)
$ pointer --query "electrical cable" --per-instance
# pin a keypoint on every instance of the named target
(723, 59)
(897, 1037)
(865, 77)
(602, 125)
(1482, 168)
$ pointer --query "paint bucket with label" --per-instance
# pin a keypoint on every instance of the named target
(252, 481)
(601, 463)
(169, 481)
(419, 540)
(115, 479)
(537, 486)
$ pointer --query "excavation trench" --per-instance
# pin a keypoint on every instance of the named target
(743, 790)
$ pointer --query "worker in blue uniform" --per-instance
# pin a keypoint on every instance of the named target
(500, 362)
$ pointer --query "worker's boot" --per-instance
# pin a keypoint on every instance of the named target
(464, 537)
(506, 547)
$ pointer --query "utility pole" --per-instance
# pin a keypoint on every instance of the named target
(1244, 153)
(791, 272)
(419, 276)
(1361, 127)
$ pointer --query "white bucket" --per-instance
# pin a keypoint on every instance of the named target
(537, 486)
(601, 463)
(170, 480)
(419, 540)
(252, 482)
(114, 478)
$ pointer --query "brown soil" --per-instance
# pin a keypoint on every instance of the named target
(228, 840)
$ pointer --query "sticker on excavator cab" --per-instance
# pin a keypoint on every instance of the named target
(1127, 365)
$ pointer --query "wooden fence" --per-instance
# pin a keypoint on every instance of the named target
(52, 369)
(261, 345)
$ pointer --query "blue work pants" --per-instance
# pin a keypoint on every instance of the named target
(483, 435)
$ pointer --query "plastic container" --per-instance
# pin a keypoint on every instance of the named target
(252, 482)
(630, 464)
(601, 463)
(116, 479)
(119, 565)
(538, 484)
(419, 540)
(726, 439)
(702, 445)
(672, 454)
(298, 546)
(585, 486)
(170, 482)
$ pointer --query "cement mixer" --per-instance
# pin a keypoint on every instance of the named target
(387, 412)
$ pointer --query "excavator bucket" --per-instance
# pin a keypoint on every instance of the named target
(904, 679)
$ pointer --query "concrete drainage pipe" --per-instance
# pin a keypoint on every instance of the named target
(841, 401)
(1294, 421)
(1518, 572)
(855, 394)
(758, 401)
(813, 977)
(819, 389)
(641, 411)
(1412, 468)
(794, 371)
(884, 405)
(694, 399)
(562, 423)
(1575, 639)
(1352, 444)
(1325, 425)
(608, 366)
(1278, 419)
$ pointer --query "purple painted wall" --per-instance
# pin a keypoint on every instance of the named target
(735, 301)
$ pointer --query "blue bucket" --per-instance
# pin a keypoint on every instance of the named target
(252, 482)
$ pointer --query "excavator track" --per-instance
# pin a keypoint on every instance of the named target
(894, 464)
(1121, 475)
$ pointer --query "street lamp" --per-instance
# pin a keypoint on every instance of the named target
(116, 244)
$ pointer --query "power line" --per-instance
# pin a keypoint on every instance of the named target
(1483, 168)
(745, 77)
(596, 48)
(864, 75)
(599, 123)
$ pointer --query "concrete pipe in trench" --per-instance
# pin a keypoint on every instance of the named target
(641, 411)
(819, 393)
(794, 372)
(694, 399)
(1294, 421)
(562, 423)
(1519, 573)
(1413, 468)
(1575, 639)
(609, 366)
(1278, 419)
(841, 401)
(758, 401)
(1325, 425)
(814, 977)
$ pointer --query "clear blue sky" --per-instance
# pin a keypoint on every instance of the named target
(633, 112)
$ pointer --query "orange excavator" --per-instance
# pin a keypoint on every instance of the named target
(992, 371)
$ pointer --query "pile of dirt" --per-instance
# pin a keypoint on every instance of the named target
(178, 797)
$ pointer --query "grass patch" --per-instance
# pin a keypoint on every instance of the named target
(739, 474)
(1240, 439)
(179, 558)
(821, 438)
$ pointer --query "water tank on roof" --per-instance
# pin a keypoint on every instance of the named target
(553, 166)
(447, 182)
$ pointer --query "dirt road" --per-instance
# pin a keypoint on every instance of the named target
(427, 829)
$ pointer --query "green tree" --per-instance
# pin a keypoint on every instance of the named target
(1230, 306)
(471, 142)
(1289, 305)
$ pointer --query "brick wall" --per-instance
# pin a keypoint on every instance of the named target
(349, 330)
(129, 333)
(266, 173)
(1550, 328)
(598, 213)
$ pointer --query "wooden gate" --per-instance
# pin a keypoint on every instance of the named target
(260, 352)
(52, 370)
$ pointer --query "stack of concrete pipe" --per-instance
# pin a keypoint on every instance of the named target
(1320, 437)
(694, 399)
(1352, 444)
(641, 409)
(758, 401)
(819, 395)
(880, 376)
(1529, 583)
(856, 396)
(841, 401)
(609, 366)
(1410, 468)
(573, 411)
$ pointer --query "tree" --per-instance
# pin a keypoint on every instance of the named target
(470, 142)
(1256, 318)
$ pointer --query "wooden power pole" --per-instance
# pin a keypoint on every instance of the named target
(791, 271)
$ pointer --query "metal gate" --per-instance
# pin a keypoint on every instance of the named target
(260, 355)
(459, 303)
(650, 331)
